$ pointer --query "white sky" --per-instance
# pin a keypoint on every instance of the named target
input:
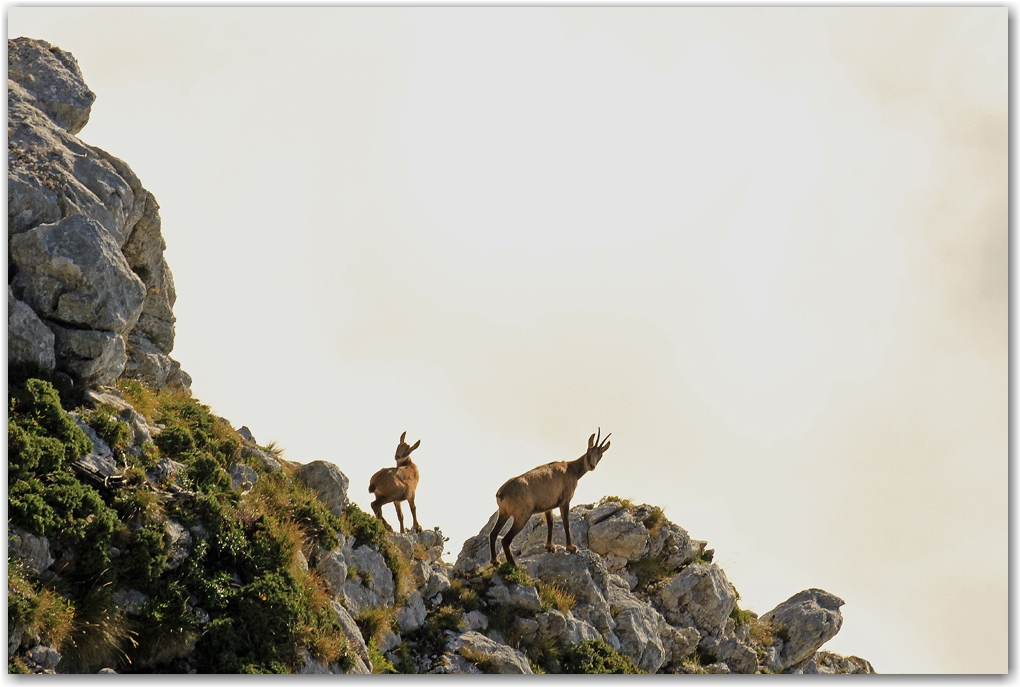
(765, 248)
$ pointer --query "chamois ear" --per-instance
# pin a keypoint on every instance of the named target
(402, 437)
(416, 445)
(606, 447)
(591, 440)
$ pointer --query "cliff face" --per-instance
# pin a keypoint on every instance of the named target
(90, 294)
(146, 534)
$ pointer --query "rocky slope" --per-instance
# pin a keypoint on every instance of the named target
(146, 534)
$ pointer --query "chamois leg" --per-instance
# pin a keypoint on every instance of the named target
(414, 515)
(500, 521)
(565, 514)
(509, 537)
(549, 546)
(377, 507)
(400, 515)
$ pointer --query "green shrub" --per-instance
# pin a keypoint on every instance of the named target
(595, 656)
(513, 574)
(118, 435)
(174, 441)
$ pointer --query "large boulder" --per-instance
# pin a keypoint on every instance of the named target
(73, 272)
(326, 480)
(28, 339)
(33, 552)
(496, 657)
(805, 622)
(85, 249)
(369, 581)
(54, 80)
(698, 594)
(638, 626)
(620, 534)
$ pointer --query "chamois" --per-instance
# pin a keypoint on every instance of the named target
(540, 491)
(396, 485)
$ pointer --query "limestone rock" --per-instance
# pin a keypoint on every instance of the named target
(620, 534)
(565, 628)
(267, 459)
(46, 657)
(328, 482)
(501, 657)
(28, 339)
(164, 471)
(411, 616)
(805, 621)
(476, 620)
(351, 632)
(180, 543)
(372, 585)
(73, 272)
(521, 596)
(242, 477)
(702, 591)
(638, 628)
(32, 551)
(827, 663)
(130, 601)
(332, 568)
(92, 357)
(53, 78)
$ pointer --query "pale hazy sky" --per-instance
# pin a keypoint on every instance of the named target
(765, 248)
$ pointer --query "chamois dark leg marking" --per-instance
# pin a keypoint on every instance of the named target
(549, 546)
(565, 514)
(414, 515)
(377, 508)
(509, 537)
(493, 535)
(400, 515)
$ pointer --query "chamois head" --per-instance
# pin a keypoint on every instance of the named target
(595, 450)
(403, 456)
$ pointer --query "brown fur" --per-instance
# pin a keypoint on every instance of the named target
(396, 485)
(542, 490)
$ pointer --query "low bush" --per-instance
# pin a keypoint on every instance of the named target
(595, 656)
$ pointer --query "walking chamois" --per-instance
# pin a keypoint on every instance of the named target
(540, 491)
(396, 485)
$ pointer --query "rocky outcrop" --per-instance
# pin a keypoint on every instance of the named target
(804, 622)
(86, 249)
(328, 482)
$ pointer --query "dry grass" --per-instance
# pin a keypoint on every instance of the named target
(100, 636)
(376, 622)
(482, 661)
(626, 503)
(555, 597)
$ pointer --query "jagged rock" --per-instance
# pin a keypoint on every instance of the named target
(328, 482)
(412, 615)
(717, 669)
(522, 596)
(180, 543)
(32, 551)
(701, 592)
(738, 656)
(501, 657)
(130, 601)
(164, 471)
(53, 78)
(351, 632)
(438, 583)
(332, 568)
(827, 663)
(73, 272)
(28, 339)
(46, 657)
(125, 412)
(620, 534)
(678, 643)
(638, 628)
(14, 635)
(101, 457)
(455, 664)
(373, 585)
(476, 620)
(389, 641)
(475, 552)
(310, 666)
(265, 458)
(674, 544)
(565, 628)
(246, 435)
(584, 576)
(243, 477)
(805, 622)
(92, 357)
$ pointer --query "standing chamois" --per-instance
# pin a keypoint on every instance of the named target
(540, 491)
(396, 485)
